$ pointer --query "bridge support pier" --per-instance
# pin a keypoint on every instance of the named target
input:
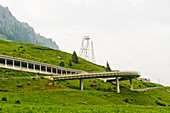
(34, 67)
(51, 70)
(20, 65)
(40, 68)
(5, 63)
(81, 84)
(131, 84)
(13, 64)
(117, 85)
(27, 66)
(46, 69)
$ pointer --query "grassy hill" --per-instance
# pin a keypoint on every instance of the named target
(45, 55)
(43, 95)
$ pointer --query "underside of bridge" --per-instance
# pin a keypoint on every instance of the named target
(112, 76)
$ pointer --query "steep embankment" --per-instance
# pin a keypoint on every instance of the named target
(45, 55)
(13, 30)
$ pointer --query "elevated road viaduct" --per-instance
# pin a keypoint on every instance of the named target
(60, 73)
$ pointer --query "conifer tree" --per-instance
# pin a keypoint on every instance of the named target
(75, 58)
(108, 69)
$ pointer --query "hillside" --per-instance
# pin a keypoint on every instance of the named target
(31, 92)
(45, 55)
(44, 95)
(13, 30)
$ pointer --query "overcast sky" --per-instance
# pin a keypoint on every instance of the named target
(130, 34)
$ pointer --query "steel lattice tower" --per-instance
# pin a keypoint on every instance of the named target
(84, 49)
(92, 53)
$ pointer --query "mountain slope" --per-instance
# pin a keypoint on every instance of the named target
(13, 30)
(45, 55)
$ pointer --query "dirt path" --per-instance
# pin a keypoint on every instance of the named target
(140, 90)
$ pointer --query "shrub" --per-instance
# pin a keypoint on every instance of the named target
(159, 98)
(70, 63)
(53, 83)
(17, 102)
(92, 85)
(42, 78)
(19, 85)
(21, 47)
(28, 83)
(62, 64)
(4, 98)
(109, 88)
(126, 100)
(160, 103)
(98, 88)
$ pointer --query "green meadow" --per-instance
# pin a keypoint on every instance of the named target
(44, 95)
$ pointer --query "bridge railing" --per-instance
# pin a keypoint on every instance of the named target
(118, 71)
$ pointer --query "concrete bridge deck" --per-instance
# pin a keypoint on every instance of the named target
(124, 75)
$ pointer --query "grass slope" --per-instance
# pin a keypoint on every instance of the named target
(15, 73)
(42, 95)
(45, 55)
(68, 91)
(83, 109)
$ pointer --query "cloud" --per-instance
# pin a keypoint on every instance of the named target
(80, 2)
(135, 3)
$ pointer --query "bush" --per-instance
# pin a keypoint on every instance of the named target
(92, 85)
(62, 64)
(21, 47)
(53, 83)
(4, 98)
(126, 100)
(42, 78)
(159, 98)
(160, 103)
(28, 83)
(19, 85)
(70, 63)
(98, 88)
(17, 102)
(109, 88)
